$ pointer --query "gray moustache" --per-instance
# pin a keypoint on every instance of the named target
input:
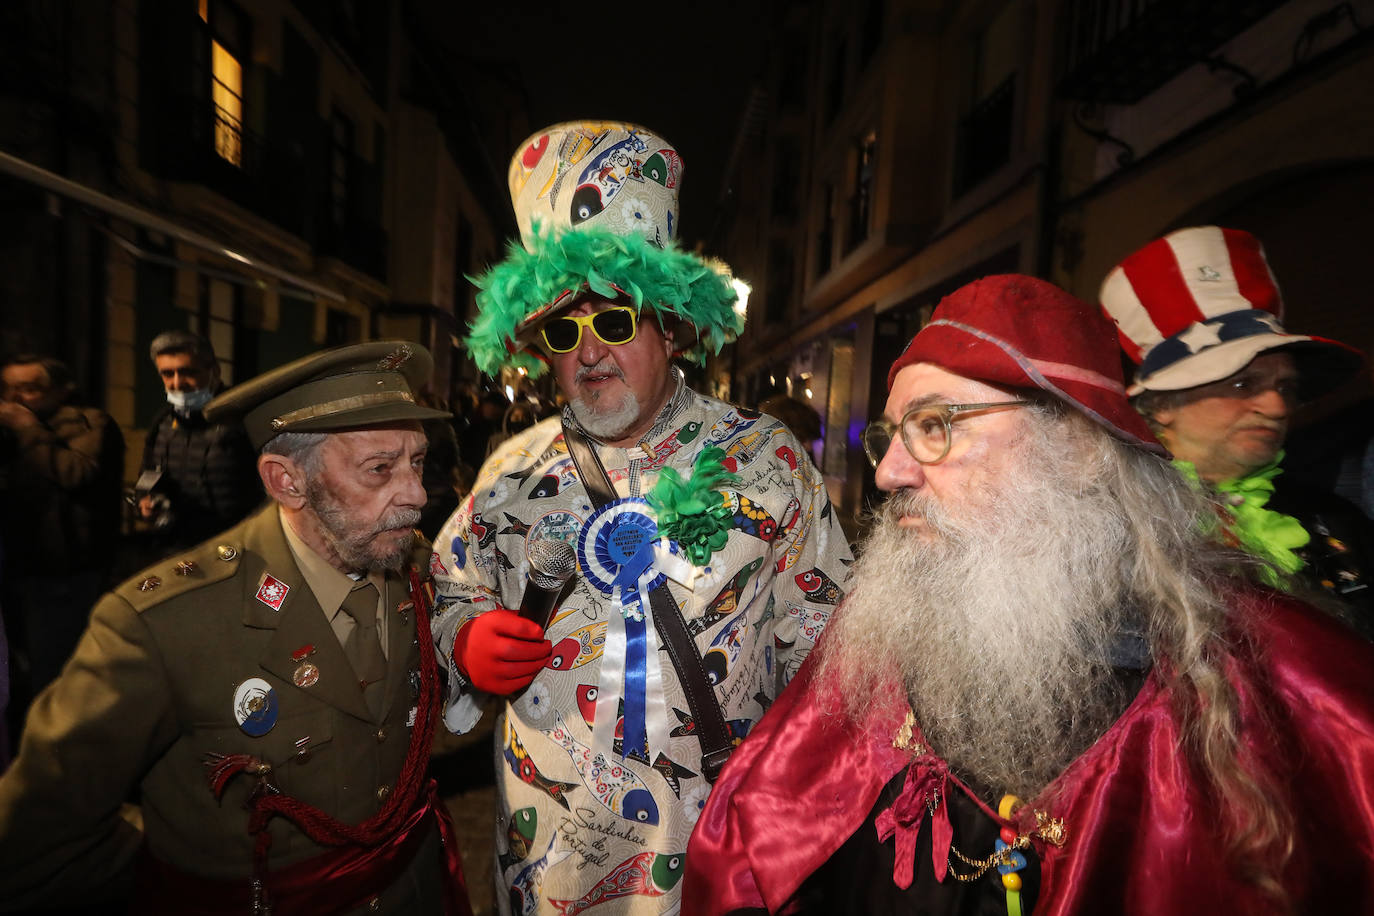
(407, 518)
(585, 371)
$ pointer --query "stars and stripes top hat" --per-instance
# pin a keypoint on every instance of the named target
(1197, 305)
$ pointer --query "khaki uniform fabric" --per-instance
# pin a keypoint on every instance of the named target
(151, 691)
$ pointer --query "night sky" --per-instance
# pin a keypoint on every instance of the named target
(682, 70)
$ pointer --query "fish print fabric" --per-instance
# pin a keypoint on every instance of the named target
(591, 819)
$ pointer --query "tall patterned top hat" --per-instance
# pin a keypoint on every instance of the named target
(597, 206)
(1199, 304)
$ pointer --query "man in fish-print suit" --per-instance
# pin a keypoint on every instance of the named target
(270, 694)
(600, 766)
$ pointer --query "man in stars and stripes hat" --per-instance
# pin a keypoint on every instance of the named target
(1219, 379)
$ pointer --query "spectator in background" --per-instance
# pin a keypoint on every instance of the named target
(799, 416)
(196, 478)
(62, 485)
(1219, 380)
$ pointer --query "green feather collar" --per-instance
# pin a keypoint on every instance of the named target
(1269, 535)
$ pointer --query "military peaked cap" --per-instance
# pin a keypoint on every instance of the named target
(365, 384)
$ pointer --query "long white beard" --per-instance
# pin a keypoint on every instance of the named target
(1000, 623)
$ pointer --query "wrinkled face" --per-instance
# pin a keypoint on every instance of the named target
(28, 384)
(1235, 426)
(366, 496)
(181, 372)
(616, 391)
(982, 444)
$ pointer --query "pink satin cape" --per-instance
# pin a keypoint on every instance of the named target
(1141, 834)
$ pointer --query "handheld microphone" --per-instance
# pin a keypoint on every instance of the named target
(552, 563)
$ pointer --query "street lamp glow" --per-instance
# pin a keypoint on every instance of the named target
(742, 291)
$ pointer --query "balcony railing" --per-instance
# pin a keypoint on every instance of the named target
(1119, 51)
(195, 142)
(189, 139)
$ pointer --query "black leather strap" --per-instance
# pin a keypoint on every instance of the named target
(716, 743)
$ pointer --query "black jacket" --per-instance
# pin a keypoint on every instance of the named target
(1339, 559)
(209, 475)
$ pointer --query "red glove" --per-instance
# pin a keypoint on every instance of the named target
(500, 652)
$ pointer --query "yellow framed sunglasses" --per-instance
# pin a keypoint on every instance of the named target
(613, 326)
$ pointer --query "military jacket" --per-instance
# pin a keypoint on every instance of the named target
(586, 816)
(220, 650)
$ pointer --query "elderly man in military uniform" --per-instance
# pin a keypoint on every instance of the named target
(266, 693)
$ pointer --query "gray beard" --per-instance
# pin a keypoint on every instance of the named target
(1000, 624)
(601, 417)
(357, 550)
(605, 421)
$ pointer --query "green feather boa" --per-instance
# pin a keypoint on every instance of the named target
(1269, 535)
(668, 280)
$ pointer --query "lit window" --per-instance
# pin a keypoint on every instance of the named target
(226, 90)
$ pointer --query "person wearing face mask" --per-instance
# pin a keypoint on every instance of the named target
(196, 477)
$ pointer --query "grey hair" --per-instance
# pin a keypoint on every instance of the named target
(302, 448)
(1179, 575)
(178, 341)
(1149, 403)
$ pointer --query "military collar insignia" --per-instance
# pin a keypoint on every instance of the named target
(272, 591)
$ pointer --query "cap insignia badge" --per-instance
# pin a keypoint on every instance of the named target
(396, 358)
(1208, 275)
(148, 584)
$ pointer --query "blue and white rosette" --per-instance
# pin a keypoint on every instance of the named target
(621, 554)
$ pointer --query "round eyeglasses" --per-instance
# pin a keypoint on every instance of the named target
(925, 431)
(614, 326)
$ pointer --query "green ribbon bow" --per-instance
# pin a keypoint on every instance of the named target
(692, 512)
(1270, 535)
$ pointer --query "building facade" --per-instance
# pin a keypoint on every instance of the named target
(278, 176)
(909, 146)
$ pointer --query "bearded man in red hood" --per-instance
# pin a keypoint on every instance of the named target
(1052, 688)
